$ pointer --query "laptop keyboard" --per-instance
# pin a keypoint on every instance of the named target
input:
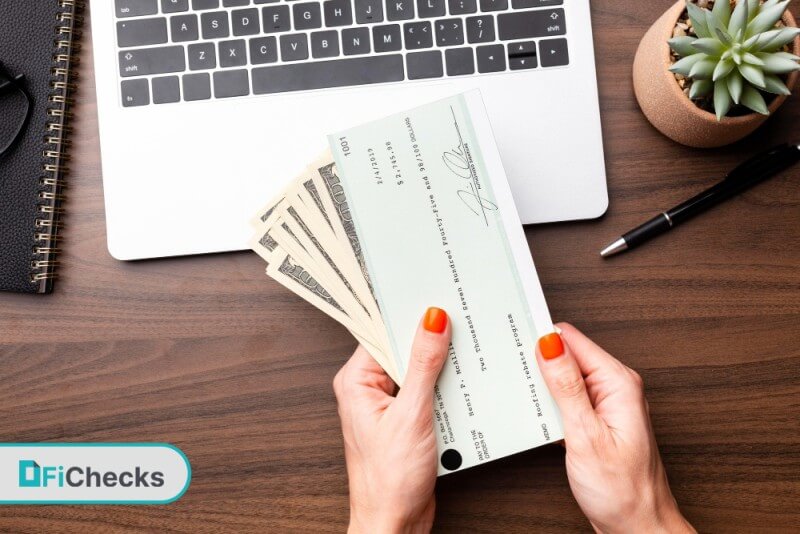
(186, 50)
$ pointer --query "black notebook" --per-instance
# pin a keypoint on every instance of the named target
(38, 45)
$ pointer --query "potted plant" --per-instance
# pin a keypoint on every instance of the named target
(708, 73)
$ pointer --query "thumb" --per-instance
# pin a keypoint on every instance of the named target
(566, 384)
(428, 354)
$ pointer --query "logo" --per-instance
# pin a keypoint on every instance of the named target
(32, 475)
(92, 473)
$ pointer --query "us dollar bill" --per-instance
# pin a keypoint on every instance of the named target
(338, 196)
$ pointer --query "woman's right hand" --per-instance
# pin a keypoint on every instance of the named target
(613, 465)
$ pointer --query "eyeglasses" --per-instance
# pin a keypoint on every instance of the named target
(15, 103)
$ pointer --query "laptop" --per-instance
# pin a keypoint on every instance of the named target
(207, 108)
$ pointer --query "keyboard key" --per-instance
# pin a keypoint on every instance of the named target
(491, 58)
(135, 8)
(198, 5)
(338, 13)
(215, 25)
(135, 93)
(229, 83)
(325, 44)
(463, 7)
(494, 5)
(522, 55)
(529, 24)
(459, 61)
(263, 50)
(386, 38)
(151, 61)
(554, 52)
(184, 28)
(245, 22)
(424, 64)
(166, 90)
(399, 9)
(331, 73)
(235, 3)
(276, 19)
(174, 6)
(480, 29)
(307, 16)
(265, 1)
(355, 41)
(449, 32)
(196, 86)
(525, 4)
(430, 8)
(418, 35)
(202, 56)
(141, 32)
(294, 47)
(232, 53)
(369, 11)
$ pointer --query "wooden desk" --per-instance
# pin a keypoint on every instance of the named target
(209, 354)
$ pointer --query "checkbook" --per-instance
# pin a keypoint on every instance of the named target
(411, 211)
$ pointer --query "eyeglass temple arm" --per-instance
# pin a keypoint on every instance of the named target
(4, 85)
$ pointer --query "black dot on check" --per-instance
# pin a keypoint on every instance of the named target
(451, 459)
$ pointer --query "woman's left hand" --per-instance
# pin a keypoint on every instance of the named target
(389, 443)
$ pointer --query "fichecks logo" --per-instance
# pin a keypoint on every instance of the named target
(33, 475)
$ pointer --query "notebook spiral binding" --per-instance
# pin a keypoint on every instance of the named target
(54, 157)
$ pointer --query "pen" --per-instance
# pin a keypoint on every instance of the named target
(746, 175)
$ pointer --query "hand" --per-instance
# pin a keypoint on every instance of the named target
(389, 444)
(613, 465)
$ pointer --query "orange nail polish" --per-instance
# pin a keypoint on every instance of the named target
(435, 320)
(551, 346)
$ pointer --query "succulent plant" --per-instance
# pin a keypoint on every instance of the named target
(737, 53)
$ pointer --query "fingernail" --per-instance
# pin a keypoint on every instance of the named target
(435, 320)
(551, 346)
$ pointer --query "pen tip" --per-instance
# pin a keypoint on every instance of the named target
(617, 246)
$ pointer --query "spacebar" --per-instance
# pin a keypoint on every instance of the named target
(322, 74)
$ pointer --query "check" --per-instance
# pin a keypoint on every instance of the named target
(437, 226)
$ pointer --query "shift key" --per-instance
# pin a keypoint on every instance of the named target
(151, 61)
(528, 24)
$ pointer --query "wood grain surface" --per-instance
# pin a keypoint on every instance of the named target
(208, 354)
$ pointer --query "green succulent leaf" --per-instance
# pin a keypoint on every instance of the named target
(722, 69)
(698, 17)
(712, 47)
(747, 57)
(738, 19)
(777, 39)
(703, 70)
(752, 98)
(722, 11)
(722, 100)
(779, 63)
(684, 66)
(774, 85)
(752, 74)
(723, 36)
(683, 45)
(766, 19)
(735, 84)
(700, 88)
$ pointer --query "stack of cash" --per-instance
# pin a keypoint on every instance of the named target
(309, 241)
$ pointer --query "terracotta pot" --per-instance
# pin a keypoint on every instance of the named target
(666, 106)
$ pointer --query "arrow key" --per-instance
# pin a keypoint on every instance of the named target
(491, 58)
(554, 52)
(449, 32)
(522, 55)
